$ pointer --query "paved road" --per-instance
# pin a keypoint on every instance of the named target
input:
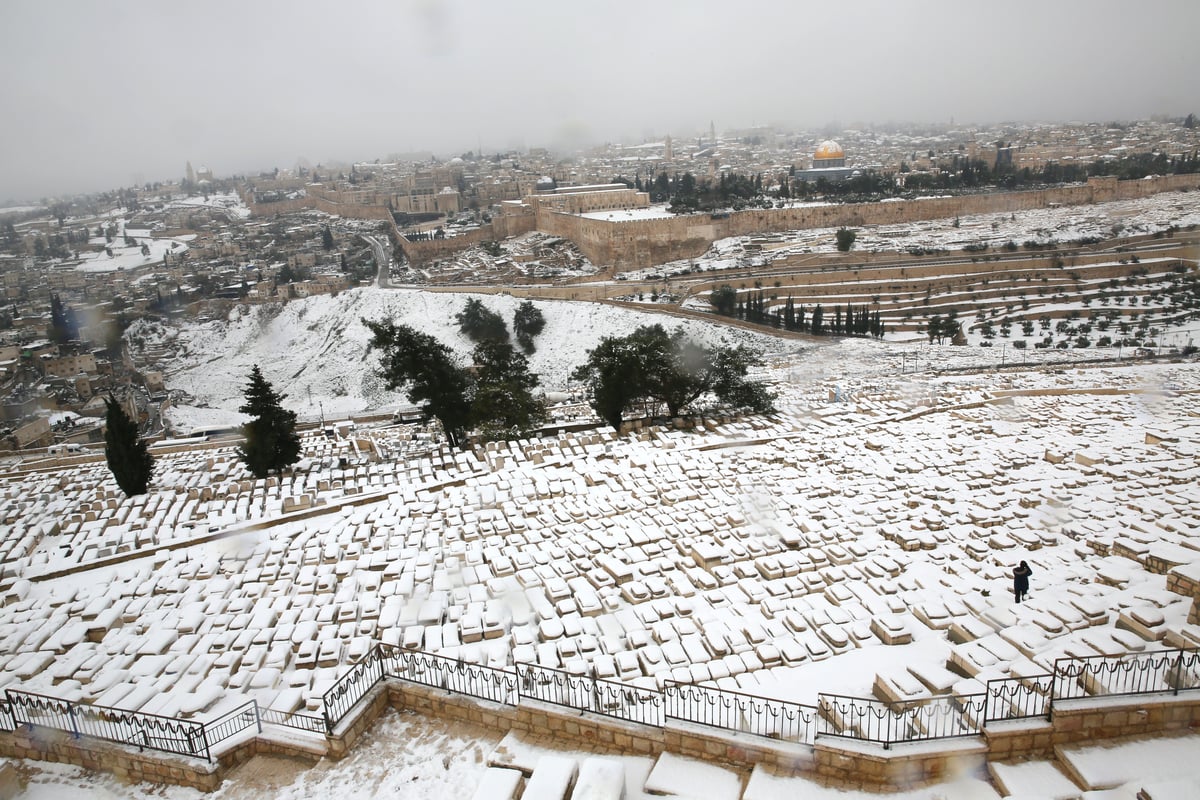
(383, 258)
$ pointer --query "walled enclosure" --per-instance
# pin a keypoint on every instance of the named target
(635, 244)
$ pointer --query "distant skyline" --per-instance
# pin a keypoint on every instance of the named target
(102, 95)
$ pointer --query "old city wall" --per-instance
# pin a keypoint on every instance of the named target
(499, 228)
(631, 244)
(317, 202)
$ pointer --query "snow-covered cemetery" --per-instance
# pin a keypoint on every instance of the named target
(838, 571)
(812, 476)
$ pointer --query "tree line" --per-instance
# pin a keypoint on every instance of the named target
(752, 306)
(270, 442)
(649, 372)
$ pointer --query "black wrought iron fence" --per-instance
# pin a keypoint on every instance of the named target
(6, 720)
(1133, 673)
(734, 711)
(232, 723)
(352, 687)
(1019, 698)
(621, 700)
(292, 719)
(462, 677)
(885, 723)
(865, 719)
(183, 737)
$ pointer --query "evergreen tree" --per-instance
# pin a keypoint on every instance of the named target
(528, 322)
(62, 321)
(845, 239)
(657, 369)
(128, 459)
(478, 322)
(271, 439)
(723, 300)
(327, 238)
(503, 405)
(425, 368)
(817, 321)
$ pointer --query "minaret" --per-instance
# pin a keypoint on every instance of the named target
(712, 132)
(669, 151)
(191, 174)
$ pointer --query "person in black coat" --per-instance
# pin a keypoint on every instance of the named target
(1021, 581)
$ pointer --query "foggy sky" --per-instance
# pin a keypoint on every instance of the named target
(97, 95)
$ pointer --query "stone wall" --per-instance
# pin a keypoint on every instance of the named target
(631, 244)
(1185, 580)
(644, 243)
(44, 744)
(843, 762)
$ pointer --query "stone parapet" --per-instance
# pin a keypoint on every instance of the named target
(864, 765)
(449, 705)
(355, 724)
(841, 761)
(1098, 719)
(1016, 739)
(44, 744)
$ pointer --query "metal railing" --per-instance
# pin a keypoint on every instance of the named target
(746, 713)
(233, 723)
(439, 672)
(292, 719)
(621, 700)
(1019, 698)
(170, 735)
(941, 717)
(352, 687)
(1134, 673)
(865, 719)
(6, 718)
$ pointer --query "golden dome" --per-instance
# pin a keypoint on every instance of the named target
(829, 149)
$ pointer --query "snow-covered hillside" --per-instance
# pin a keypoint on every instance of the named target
(315, 349)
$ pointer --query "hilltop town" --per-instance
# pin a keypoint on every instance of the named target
(1034, 214)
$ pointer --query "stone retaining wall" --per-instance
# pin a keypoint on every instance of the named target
(44, 744)
(844, 762)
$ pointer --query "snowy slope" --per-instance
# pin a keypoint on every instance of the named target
(315, 349)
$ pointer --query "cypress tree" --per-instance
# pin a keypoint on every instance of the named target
(271, 439)
(128, 460)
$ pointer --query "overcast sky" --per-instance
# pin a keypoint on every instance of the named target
(98, 95)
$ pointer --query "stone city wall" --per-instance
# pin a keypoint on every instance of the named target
(432, 249)
(634, 244)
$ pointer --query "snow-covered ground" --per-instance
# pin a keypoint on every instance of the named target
(316, 348)
(754, 556)
(623, 214)
(749, 556)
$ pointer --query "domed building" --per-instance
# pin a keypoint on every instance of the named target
(828, 163)
(829, 154)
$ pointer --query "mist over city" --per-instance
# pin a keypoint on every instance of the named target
(119, 94)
